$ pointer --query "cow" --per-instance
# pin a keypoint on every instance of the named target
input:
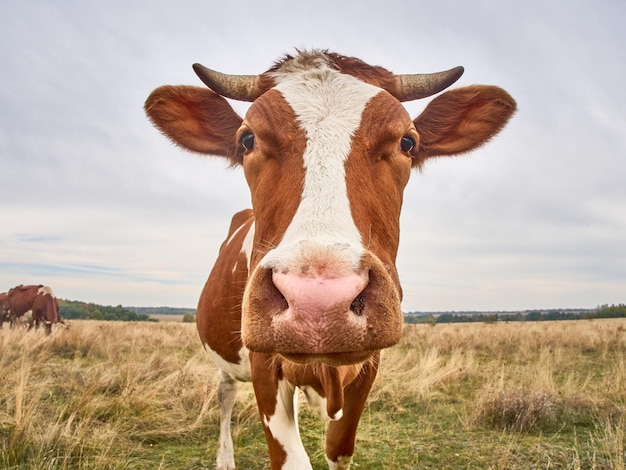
(4, 308)
(304, 293)
(39, 300)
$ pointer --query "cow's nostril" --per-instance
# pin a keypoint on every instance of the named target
(282, 302)
(279, 301)
(271, 296)
(358, 305)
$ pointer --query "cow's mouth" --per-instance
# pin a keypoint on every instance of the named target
(332, 359)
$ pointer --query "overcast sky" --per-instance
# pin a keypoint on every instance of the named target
(97, 204)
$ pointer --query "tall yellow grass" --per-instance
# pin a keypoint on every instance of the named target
(84, 396)
(99, 394)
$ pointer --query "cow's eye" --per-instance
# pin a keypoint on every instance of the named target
(247, 141)
(407, 143)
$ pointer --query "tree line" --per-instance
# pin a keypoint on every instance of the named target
(73, 310)
(162, 310)
(603, 311)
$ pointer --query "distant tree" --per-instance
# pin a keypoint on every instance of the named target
(189, 318)
(446, 318)
(72, 309)
(491, 319)
(610, 311)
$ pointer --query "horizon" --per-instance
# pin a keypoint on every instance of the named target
(597, 307)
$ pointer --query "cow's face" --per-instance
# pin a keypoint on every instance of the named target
(326, 163)
(326, 156)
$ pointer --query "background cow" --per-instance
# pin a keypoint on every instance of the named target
(305, 291)
(4, 307)
(39, 301)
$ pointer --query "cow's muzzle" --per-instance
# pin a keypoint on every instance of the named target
(312, 316)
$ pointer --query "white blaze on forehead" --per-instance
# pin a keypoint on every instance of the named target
(328, 106)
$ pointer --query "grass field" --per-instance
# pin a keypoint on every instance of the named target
(110, 395)
(175, 317)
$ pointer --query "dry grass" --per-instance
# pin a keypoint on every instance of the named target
(88, 395)
(108, 395)
(548, 380)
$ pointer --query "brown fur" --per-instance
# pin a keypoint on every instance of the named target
(4, 308)
(374, 75)
(219, 310)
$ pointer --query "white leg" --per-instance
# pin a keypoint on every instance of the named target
(343, 463)
(226, 396)
(283, 425)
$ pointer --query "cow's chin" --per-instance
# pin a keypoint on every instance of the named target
(332, 359)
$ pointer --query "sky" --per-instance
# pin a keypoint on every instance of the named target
(95, 203)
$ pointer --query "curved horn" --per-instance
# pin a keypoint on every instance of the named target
(237, 87)
(413, 87)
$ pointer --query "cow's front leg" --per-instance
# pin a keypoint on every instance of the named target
(342, 433)
(226, 395)
(277, 402)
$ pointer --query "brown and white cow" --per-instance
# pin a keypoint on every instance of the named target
(33, 305)
(305, 293)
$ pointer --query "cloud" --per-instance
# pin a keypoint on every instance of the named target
(100, 206)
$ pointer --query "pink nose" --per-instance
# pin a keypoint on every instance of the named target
(319, 312)
(313, 298)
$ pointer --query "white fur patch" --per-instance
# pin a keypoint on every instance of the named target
(342, 463)
(248, 244)
(328, 106)
(284, 427)
(235, 233)
(246, 247)
(241, 371)
(45, 290)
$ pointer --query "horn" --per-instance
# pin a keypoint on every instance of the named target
(413, 87)
(237, 87)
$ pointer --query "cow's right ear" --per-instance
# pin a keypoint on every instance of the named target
(194, 118)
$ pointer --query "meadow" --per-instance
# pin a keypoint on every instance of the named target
(114, 395)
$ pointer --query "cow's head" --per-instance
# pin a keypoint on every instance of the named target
(46, 308)
(327, 149)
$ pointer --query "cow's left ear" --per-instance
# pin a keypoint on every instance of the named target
(194, 118)
(461, 120)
